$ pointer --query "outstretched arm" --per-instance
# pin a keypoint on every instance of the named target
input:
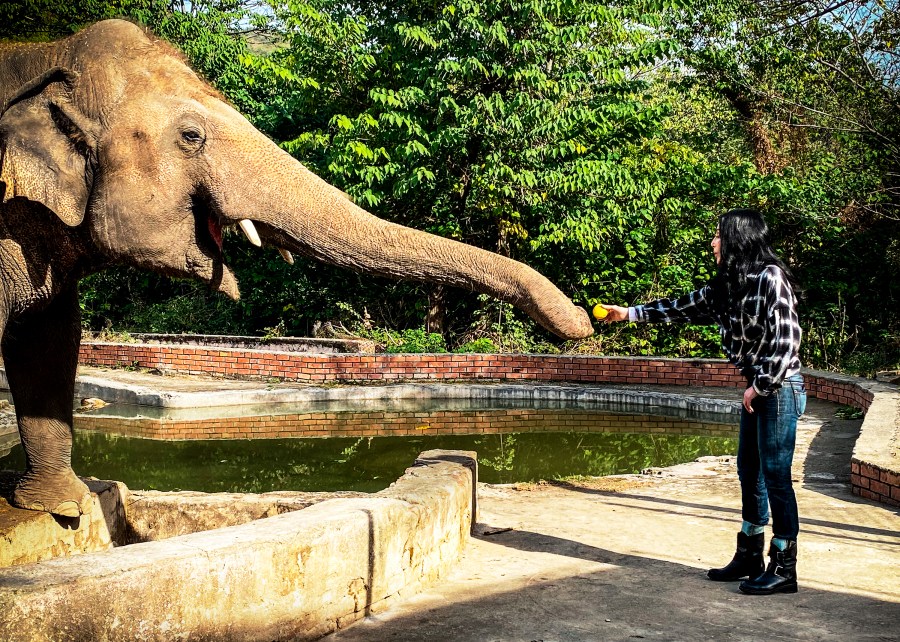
(693, 307)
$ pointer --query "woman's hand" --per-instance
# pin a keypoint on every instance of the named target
(615, 313)
(749, 396)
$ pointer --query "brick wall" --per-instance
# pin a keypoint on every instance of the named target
(356, 368)
(870, 480)
(844, 392)
(880, 483)
(363, 424)
(875, 483)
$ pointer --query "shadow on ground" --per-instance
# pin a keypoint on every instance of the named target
(624, 597)
(714, 513)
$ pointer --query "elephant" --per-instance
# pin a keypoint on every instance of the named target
(113, 151)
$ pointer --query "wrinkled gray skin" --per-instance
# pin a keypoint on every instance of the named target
(113, 151)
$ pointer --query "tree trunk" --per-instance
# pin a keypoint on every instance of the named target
(765, 156)
(435, 319)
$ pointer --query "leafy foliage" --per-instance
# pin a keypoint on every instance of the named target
(417, 340)
(811, 88)
(597, 143)
(498, 125)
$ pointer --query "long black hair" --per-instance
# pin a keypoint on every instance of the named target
(744, 249)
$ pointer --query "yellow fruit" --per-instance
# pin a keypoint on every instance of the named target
(600, 312)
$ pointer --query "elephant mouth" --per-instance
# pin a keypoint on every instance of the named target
(207, 262)
(215, 230)
(209, 225)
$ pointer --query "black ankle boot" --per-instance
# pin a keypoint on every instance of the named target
(780, 575)
(747, 561)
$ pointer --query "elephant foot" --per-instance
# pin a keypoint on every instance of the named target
(61, 494)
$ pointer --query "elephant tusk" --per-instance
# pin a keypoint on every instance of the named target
(250, 231)
(286, 255)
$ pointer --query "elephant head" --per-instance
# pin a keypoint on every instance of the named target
(113, 132)
(113, 151)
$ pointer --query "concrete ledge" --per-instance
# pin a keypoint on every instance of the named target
(152, 515)
(875, 463)
(194, 405)
(121, 516)
(293, 576)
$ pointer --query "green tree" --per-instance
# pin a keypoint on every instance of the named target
(809, 93)
(595, 143)
(514, 126)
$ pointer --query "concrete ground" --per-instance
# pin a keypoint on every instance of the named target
(625, 558)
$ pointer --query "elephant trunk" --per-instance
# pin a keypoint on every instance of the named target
(300, 212)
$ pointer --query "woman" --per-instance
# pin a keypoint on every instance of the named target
(752, 299)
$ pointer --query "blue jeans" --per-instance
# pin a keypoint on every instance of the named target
(765, 452)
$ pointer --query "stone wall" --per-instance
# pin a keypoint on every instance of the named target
(876, 467)
(297, 575)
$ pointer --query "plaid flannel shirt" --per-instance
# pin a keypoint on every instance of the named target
(761, 336)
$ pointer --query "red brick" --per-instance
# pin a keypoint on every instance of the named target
(889, 477)
(881, 489)
(868, 470)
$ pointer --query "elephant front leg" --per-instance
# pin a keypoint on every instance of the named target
(40, 353)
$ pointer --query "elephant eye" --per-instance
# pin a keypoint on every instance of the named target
(191, 139)
(192, 136)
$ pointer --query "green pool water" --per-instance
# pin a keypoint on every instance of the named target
(371, 463)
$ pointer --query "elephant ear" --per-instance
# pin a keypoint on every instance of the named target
(47, 148)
